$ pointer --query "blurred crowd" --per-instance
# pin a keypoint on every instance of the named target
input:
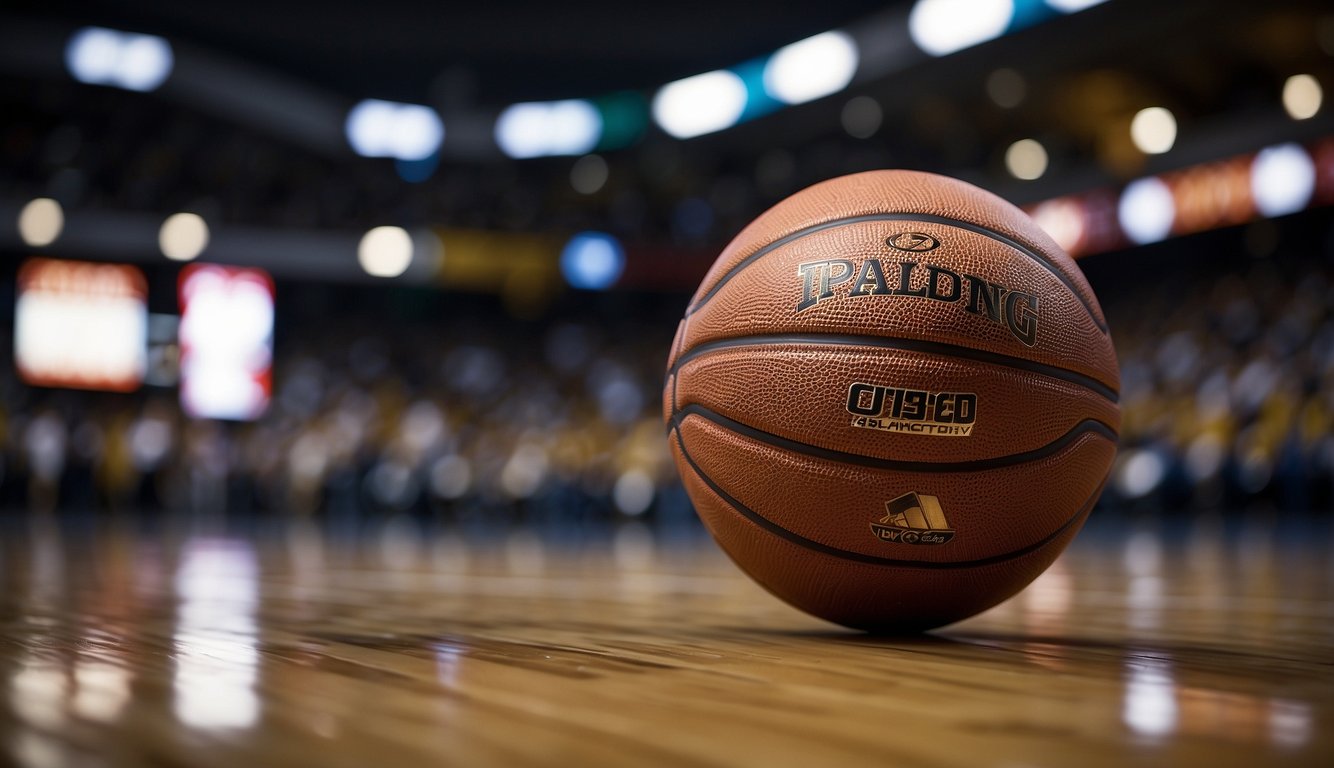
(472, 425)
(1228, 388)
(1228, 376)
(1228, 398)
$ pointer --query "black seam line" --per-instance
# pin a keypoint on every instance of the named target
(927, 217)
(857, 459)
(906, 345)
(846, 554)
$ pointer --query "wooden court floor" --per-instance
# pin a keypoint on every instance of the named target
(198, 645)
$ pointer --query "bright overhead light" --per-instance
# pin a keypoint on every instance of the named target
(1282, 179)
(1026, 159)
(40, 222)
(700, 104)
(536, 129)
(1146, 210)
(811, 68)
(385, 251)
(1302, 96)
(378, 128)
(1154, 130)
(1073, 6)
(941, 27)
(183, 236)
(106, 57)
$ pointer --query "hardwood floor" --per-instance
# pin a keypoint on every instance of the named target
(124, 644)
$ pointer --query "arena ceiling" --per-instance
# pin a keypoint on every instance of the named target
(1218, 65)
(495, 52)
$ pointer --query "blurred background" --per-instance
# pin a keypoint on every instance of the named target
(421, 262)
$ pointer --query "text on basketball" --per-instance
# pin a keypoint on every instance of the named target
(912, 411)
(825, 279)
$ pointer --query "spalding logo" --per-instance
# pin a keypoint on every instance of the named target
(824, 280)
(913, 242)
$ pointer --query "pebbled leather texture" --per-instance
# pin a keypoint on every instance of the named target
(794, 487)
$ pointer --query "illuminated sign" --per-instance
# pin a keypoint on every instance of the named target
(1275, 181)
(82, 325)
(226, 338)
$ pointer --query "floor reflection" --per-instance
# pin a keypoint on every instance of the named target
(1150, 704)
(39, 690)
(102, 690)
(1212, 639)
(216, 656)
(1156, 707)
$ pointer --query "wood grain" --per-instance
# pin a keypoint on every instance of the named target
(125, 644)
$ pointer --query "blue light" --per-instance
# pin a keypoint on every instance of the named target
(592, 261)
(1028, 13)
(417, 171)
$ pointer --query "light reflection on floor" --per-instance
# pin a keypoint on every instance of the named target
(215, 637)
(1153, 639)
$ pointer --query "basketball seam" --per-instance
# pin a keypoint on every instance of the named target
(924, 217)
(857, 459)
(846, 554)
(907, 345)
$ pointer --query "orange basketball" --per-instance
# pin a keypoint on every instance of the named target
(893, 400)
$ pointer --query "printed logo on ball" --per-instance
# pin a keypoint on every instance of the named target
(912, 411)
(915, 242)
(831, 279)
(913, 518)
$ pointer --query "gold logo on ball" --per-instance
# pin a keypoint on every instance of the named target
(913, 518)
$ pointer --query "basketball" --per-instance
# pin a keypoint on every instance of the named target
(893, 400)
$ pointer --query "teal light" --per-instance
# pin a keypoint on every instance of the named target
(1030, 12)
(758, 100)
(624, 118)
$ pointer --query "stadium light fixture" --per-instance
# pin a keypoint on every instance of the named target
(1154, 130)
(1146, 210)
(183, 236)
(1073, 6)
(377, 128)
(811, 68)
(1026, 159)
(941, 27)
(540, 129)
(700, 104)
(1282, 179)
(101, 56)
(1302, 97)
(385, 251)
(40, 222)
(592, 261)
